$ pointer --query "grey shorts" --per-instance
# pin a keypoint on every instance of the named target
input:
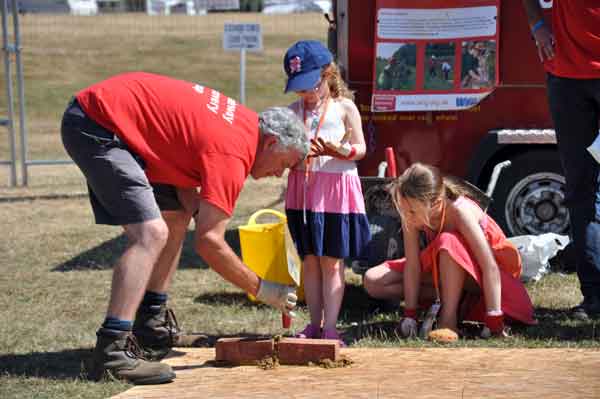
(166, 197)
(120, 192)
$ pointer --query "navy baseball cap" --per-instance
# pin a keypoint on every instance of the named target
(303, 62)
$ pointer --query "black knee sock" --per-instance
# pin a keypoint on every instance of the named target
(113, 323)
(153, 301)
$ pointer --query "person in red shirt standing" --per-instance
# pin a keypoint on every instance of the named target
(156, 152)
(569, 48)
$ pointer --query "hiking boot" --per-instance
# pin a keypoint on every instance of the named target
(157, 332)
(118, 356)
(586, 310)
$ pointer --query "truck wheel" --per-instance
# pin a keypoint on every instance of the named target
(529, 197)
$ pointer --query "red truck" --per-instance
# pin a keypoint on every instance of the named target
(480, 127)
(467, 137)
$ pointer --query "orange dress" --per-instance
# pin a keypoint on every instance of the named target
(515, 300)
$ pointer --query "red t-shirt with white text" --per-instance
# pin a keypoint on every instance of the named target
(187, 134)
(576, 28)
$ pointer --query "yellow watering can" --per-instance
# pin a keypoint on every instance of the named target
(268, 250)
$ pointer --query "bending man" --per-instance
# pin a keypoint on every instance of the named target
(145, 143)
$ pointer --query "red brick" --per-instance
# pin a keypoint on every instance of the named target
(243, 350)
(302, 351)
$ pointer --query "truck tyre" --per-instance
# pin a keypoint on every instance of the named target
(529, 196)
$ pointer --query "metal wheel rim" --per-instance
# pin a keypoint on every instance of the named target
(546, 190)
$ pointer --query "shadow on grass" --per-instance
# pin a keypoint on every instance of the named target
(359, 310)
(105, 255)
(74, 363)
(367, 317)
(205, 340)
(358, 305)
(227, 298)
(206, 364)
(554, 324)
(66, 364)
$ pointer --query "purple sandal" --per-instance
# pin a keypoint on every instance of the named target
(310, 331)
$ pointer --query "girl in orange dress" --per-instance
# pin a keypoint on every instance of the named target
(466, 253)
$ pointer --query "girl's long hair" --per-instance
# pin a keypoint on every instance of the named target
(424, 183)
(337, 87)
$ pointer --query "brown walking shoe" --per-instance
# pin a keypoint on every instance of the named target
(157, 333)
(118, 356)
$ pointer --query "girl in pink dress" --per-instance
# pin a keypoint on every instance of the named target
(467, 253)
(324, 202)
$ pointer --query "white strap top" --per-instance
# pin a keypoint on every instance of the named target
(333, 129)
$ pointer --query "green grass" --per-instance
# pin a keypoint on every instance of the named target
(56, 264)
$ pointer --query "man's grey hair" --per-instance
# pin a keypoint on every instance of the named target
(283, 123)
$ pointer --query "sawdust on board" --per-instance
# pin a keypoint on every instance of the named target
(272, 362)
(330, 364)
(268, 363)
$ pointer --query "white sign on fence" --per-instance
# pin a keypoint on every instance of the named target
(242, 37)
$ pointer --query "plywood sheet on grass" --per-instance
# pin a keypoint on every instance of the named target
(392, 373)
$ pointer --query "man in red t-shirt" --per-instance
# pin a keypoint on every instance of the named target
(156, 152)
(570, 52)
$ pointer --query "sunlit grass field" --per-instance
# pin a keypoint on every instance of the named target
(56, 264)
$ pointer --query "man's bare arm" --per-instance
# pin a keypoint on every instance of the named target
(210, 243)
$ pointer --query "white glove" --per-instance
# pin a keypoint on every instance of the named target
(280, 296)
(407, 327)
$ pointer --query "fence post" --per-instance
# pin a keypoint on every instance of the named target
(21, 92)
(9, 122)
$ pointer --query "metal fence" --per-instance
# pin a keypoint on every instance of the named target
(55, 55)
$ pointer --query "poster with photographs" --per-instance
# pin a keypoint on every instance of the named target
(434, 57)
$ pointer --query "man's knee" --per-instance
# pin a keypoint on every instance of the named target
(150, 234)
(177, 220)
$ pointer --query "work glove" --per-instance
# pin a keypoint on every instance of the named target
(407, 328)
(494, 326)
(280, 296)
